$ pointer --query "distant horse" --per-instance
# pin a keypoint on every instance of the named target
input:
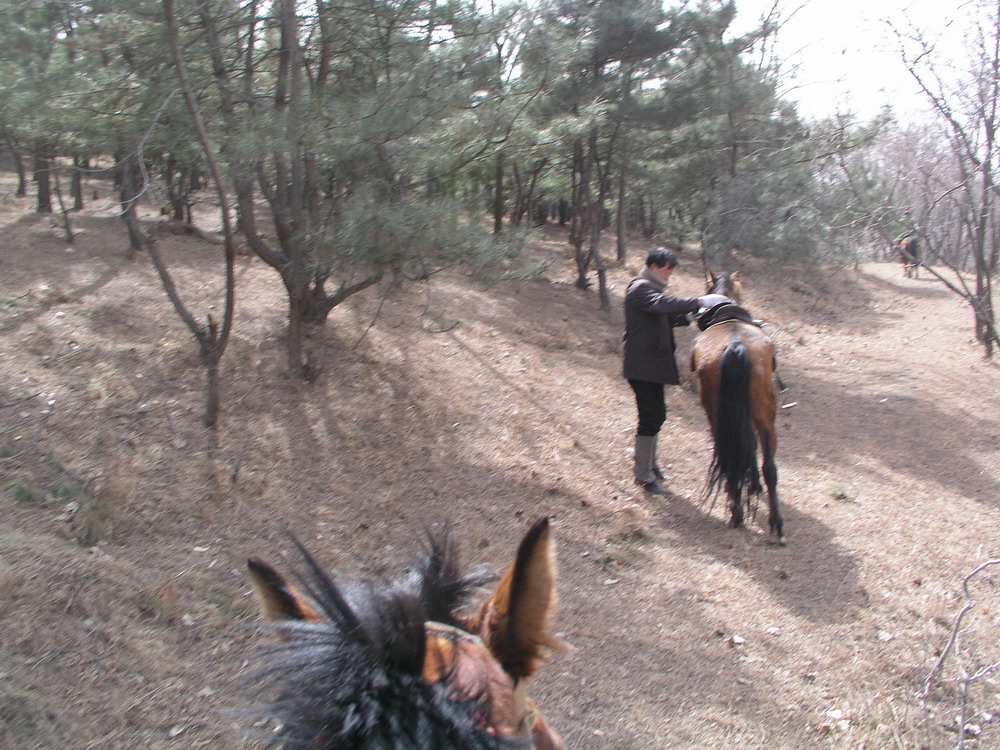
(909, 254)
(735, 363)
(398, 666)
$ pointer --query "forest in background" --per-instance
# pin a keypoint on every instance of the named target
(353, 144)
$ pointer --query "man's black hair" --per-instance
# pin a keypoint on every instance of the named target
(660, 256)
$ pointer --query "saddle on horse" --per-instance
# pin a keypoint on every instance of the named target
(724, 313)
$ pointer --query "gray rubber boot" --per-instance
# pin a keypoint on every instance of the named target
(657, 471)
(645, 448)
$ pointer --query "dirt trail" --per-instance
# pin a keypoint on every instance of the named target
(688, 634)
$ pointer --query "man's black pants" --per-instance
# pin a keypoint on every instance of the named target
(652, 406)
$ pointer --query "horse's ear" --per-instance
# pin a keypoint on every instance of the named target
(277, 599)
(515, 622)
(710, 280)
(735, 277)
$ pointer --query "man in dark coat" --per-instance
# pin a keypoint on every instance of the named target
(649, 364)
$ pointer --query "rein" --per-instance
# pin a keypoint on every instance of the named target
(452, 633)
(523, 740)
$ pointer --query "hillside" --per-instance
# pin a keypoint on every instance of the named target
(485, 407)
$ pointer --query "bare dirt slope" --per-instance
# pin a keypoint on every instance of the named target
(485, 407)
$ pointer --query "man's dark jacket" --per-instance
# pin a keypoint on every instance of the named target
(649, 338)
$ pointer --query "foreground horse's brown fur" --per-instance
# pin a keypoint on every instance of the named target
(483, 661)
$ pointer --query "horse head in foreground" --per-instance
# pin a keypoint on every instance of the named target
(404, 665)
(735, 363)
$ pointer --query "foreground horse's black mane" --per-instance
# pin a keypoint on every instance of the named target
(354, 679)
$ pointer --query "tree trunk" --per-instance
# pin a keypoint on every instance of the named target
(211, 339)
(296, 280)
(213, 393)
(622, 244)
(63, 210)
(985, 319)
(581, 215)
(129, 191)
(296, 329)
(498, 195)
(22, 173)
(597, 219)
(43, 180)
(520, 196)
(564, 212)
(76, 183)
(596, 211)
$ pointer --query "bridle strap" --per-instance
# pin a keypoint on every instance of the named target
(526, 722)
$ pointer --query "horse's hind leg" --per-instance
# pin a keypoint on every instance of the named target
(735, 507)
(770, 470)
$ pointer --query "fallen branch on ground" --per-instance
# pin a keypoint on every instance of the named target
(954, 647)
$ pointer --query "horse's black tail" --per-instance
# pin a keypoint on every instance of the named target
(735, 460)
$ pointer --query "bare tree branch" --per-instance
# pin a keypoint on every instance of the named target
(953, 649)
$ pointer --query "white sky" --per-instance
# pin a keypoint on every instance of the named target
(847, 56)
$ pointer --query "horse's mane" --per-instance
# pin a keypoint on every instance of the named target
(354, 679)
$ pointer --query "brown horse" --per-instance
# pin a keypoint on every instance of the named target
(909, 254)
(398, 666)
(735, 362)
